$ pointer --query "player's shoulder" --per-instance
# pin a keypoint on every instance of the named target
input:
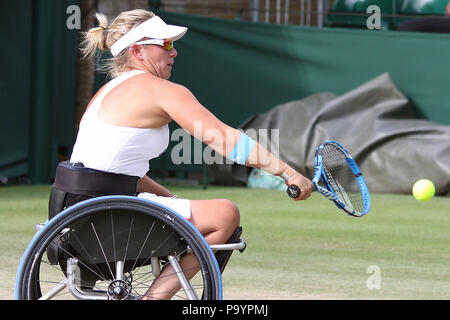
(147, 81)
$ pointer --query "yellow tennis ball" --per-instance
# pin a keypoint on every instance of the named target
(423, 190)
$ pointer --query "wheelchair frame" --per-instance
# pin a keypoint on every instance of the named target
(82, 241)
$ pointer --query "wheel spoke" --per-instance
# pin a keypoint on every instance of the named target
(101, 248)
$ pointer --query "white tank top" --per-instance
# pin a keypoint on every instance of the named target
(117, 149)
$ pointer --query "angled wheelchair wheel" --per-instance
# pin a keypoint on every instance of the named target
(113, 248)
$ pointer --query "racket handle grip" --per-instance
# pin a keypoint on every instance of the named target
(293, 191)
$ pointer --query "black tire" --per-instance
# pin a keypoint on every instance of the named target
(98, 232)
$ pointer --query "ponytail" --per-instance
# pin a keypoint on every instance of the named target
(95, 38)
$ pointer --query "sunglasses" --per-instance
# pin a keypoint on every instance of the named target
(165, 43)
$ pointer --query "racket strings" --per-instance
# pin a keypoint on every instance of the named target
(341, 179)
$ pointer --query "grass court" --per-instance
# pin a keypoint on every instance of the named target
(295, 250)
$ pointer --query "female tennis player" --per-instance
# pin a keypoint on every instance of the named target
(126, 124)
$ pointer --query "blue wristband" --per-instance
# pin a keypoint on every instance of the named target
(242, 149)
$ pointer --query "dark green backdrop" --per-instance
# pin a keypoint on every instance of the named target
(37, 88)
(235, 68)
(238, 68)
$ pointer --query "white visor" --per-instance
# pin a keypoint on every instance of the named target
(154, 28)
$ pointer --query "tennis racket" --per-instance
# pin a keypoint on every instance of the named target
(337, 177)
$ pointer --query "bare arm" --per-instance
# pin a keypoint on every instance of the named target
(181, 105)
(203, 125)
(146, 184)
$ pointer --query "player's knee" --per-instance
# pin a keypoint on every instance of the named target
(231, 212)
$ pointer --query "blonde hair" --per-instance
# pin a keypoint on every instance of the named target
(104, 36)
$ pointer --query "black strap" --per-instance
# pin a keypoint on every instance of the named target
(56, 202)
(222, 257)
(75, 178)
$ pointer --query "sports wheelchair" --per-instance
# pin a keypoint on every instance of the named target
(113, 247)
